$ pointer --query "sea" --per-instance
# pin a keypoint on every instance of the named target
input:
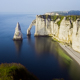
(41, 56)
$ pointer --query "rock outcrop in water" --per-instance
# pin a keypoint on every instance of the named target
(63, 28)
(18, 33)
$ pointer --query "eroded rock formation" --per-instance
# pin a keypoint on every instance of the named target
(32, 24)
(18, 33)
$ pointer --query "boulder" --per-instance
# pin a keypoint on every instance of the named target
(18, 33)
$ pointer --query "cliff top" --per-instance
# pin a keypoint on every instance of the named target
(55, 17)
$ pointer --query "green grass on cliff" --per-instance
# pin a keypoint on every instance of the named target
(72, 17)
(15, 71)
(53, 18)
(59, 22)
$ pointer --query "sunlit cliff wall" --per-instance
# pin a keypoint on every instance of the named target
(48, 27)
(65, 31)
(68, 31)
(43, 27)
(76, 35)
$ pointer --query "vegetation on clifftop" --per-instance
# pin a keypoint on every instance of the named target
(15, 71)
(59, 22)
(72, 17)
(53, 18)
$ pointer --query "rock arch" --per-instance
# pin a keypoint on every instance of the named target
(32, 24)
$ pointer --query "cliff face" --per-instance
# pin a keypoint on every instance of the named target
(70, 34)
(43, 27)
(68, 31)
(65, 31)
(76, 36)
(46, 27)
(51, 28)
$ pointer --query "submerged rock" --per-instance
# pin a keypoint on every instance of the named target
(18, 33)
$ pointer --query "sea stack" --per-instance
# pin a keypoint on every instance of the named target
(18, 33)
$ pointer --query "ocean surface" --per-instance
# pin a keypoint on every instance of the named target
(40, 55)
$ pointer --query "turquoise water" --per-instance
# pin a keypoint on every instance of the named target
(40, 55)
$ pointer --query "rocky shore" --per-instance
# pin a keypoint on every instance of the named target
(75, 55)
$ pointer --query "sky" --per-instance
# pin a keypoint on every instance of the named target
(38, 6)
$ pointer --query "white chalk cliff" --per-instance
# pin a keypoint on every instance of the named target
(68, 31)
(76, 35)
(18, 33)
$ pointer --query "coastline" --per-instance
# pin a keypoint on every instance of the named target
(75, 55)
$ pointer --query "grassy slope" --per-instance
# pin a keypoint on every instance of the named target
(15, 71)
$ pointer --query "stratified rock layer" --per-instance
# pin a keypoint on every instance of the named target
(18, 33)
